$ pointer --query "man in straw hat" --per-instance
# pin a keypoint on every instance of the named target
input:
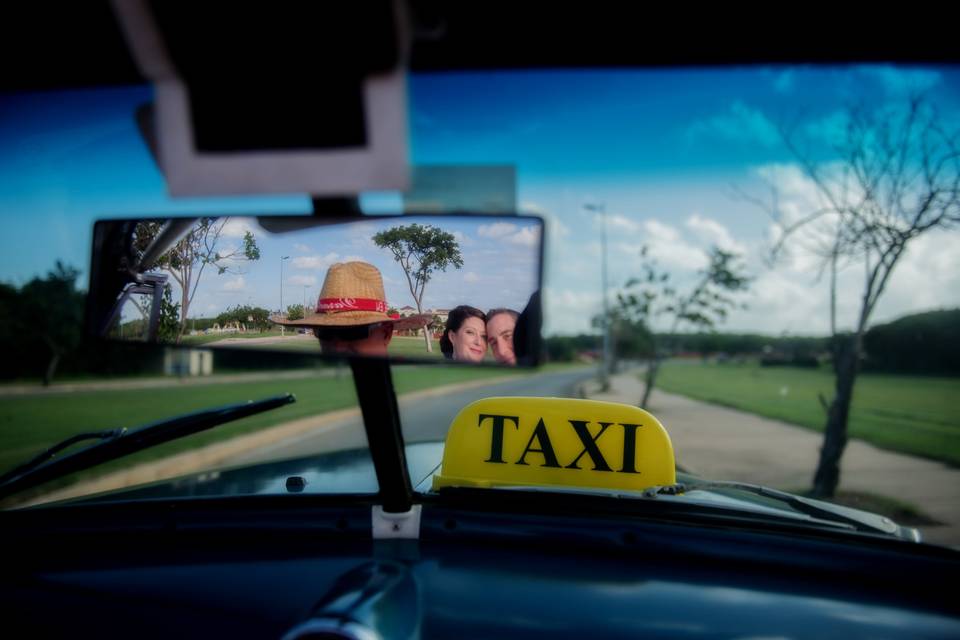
(351, 313)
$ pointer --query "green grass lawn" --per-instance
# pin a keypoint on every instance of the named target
(31, 423)
(402, 346)
(202, 339)
(413, 347)
(910, 414)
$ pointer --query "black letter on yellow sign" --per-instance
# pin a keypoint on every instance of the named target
(590, 445)
(629, 448)
(546, 447)
(496, 442)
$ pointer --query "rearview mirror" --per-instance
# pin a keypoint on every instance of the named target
(406, 288)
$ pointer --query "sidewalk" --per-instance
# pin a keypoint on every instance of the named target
(725, 444)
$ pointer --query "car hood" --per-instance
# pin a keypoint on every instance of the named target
(352, 472)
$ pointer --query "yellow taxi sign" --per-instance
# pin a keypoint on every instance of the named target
(556, 442)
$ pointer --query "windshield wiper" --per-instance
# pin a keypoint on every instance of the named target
(122, 442)
(825, 511)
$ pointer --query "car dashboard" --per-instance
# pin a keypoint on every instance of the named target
(483, 566)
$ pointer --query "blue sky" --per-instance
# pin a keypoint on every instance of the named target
(665, 151)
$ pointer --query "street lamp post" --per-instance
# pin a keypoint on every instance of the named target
(605, 320)
(281, 288)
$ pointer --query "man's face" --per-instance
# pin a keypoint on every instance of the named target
(375, 344)
(500, 337)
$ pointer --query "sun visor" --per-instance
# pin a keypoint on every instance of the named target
(311, 99)
(518, 442)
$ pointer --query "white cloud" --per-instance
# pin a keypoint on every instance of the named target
(361, 235)
(901, 82)
(462, 239)
(791, 298)
(316, 262)
(236, 228)
(926, 277)
(800, 199)
(534, 208)
(302, 248)
(569, 311)
(237, 284)
(667, 246)
(496, 230)
(714, 233)
(470, 276)
(622, 223)
(781, 303)
(303, 280)
(527, 237)
(660, 232)
(740, 123)
(510, 233)
(555, 227)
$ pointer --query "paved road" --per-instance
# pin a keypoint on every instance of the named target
(721, 443)
(423, 418)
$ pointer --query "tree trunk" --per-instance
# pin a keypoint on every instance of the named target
(426, 329)
(51, 369)
(183, 323)
(827, 477)
(652, 369)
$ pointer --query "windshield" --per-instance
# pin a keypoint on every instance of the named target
(758, 256)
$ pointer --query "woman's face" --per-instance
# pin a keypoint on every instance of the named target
(470, 340)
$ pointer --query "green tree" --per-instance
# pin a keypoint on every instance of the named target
(295, 312)
(652, 296)
(257, 317)
(48, 316)
(169, 324)
(890, 176)
(420, 250)
(198, 249)
(918, 343)
(630, 337)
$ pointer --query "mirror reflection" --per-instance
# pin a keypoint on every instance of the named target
(437, 288)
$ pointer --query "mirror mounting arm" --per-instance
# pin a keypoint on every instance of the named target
(150, 284)
(346, 206)
(381, 420)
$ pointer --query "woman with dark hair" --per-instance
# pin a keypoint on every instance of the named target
(465, 336)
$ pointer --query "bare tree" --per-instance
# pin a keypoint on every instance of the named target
(652, 295)
(894, 175)
(187, 260)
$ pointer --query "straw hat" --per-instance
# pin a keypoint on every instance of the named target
(353, 295)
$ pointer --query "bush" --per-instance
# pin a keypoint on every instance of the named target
(919, 343)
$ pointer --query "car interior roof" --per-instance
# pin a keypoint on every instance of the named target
(65, 45)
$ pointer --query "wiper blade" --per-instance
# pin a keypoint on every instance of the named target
(122, 442)
(833, 513)
(39, 459)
